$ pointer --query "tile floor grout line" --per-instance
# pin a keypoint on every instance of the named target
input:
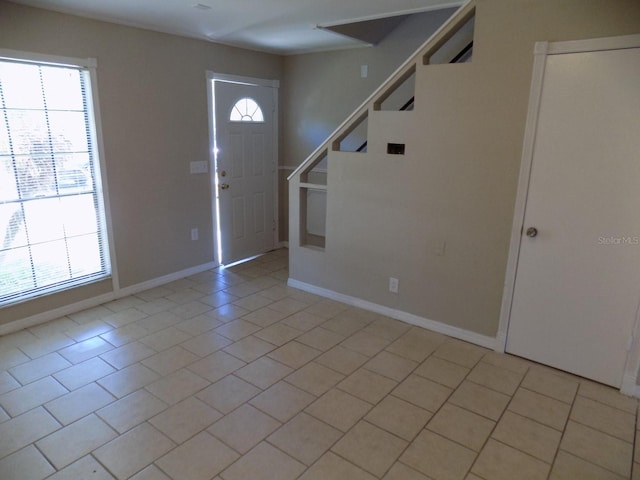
(14, 378)
(497, 421)
(564, 430)
(55, 470)
(155, 464)
(248, 402)
(348, 461)
(591, 427)
(95, 457)
(424, 428)
(569, 419)
(548, 396)
(345, 433)
(605, 404)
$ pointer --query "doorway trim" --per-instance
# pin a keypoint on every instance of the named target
(253, 81)
(541, 51)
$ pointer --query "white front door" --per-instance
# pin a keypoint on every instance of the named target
(245, 169)
(577, 285)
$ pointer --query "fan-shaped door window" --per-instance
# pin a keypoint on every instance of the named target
(246, 110)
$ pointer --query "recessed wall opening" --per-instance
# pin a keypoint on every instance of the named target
(313, 217)
(354, 139)
(313, 202)
(457, 47)
(399, 96)
(316, 173)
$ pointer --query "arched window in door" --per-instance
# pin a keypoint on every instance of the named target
(246, 110)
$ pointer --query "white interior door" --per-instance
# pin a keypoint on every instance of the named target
(245, 169)
(577, 286)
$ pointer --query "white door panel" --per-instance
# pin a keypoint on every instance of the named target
(245, 169)
(577, 285)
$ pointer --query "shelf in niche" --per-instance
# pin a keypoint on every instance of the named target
(313, 186)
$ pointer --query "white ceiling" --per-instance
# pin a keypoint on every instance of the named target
(277, 26)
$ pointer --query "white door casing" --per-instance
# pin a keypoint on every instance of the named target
(244, 172)
(572, 292)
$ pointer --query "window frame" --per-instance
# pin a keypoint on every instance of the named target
(89, 65)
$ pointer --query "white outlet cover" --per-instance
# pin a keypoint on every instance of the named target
(439, 248)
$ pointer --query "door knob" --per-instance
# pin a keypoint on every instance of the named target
(532, 232)
(223, 173)
(224, 186)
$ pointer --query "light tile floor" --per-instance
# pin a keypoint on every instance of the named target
(231, 375)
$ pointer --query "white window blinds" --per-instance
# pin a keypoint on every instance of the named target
(52, 229)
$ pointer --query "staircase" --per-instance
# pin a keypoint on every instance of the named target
(383, 121)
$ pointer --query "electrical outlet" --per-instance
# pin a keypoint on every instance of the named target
(394, 283)
(194, 234)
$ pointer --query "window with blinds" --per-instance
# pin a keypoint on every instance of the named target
(52, 228)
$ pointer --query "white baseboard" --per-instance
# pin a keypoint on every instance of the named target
(629, 386)
(455, 332)
(501, 342)
(49, 315)
(156, 282)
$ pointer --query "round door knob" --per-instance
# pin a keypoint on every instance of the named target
(532, 232)
(224, 186)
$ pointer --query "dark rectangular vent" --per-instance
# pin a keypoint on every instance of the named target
(395, 148)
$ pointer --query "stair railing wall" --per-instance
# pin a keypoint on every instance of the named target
(299, 181)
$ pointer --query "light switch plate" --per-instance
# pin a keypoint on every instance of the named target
(199, 167)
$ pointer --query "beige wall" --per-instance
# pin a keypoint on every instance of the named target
(387, 215)
(459, 188)
(153, 99)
